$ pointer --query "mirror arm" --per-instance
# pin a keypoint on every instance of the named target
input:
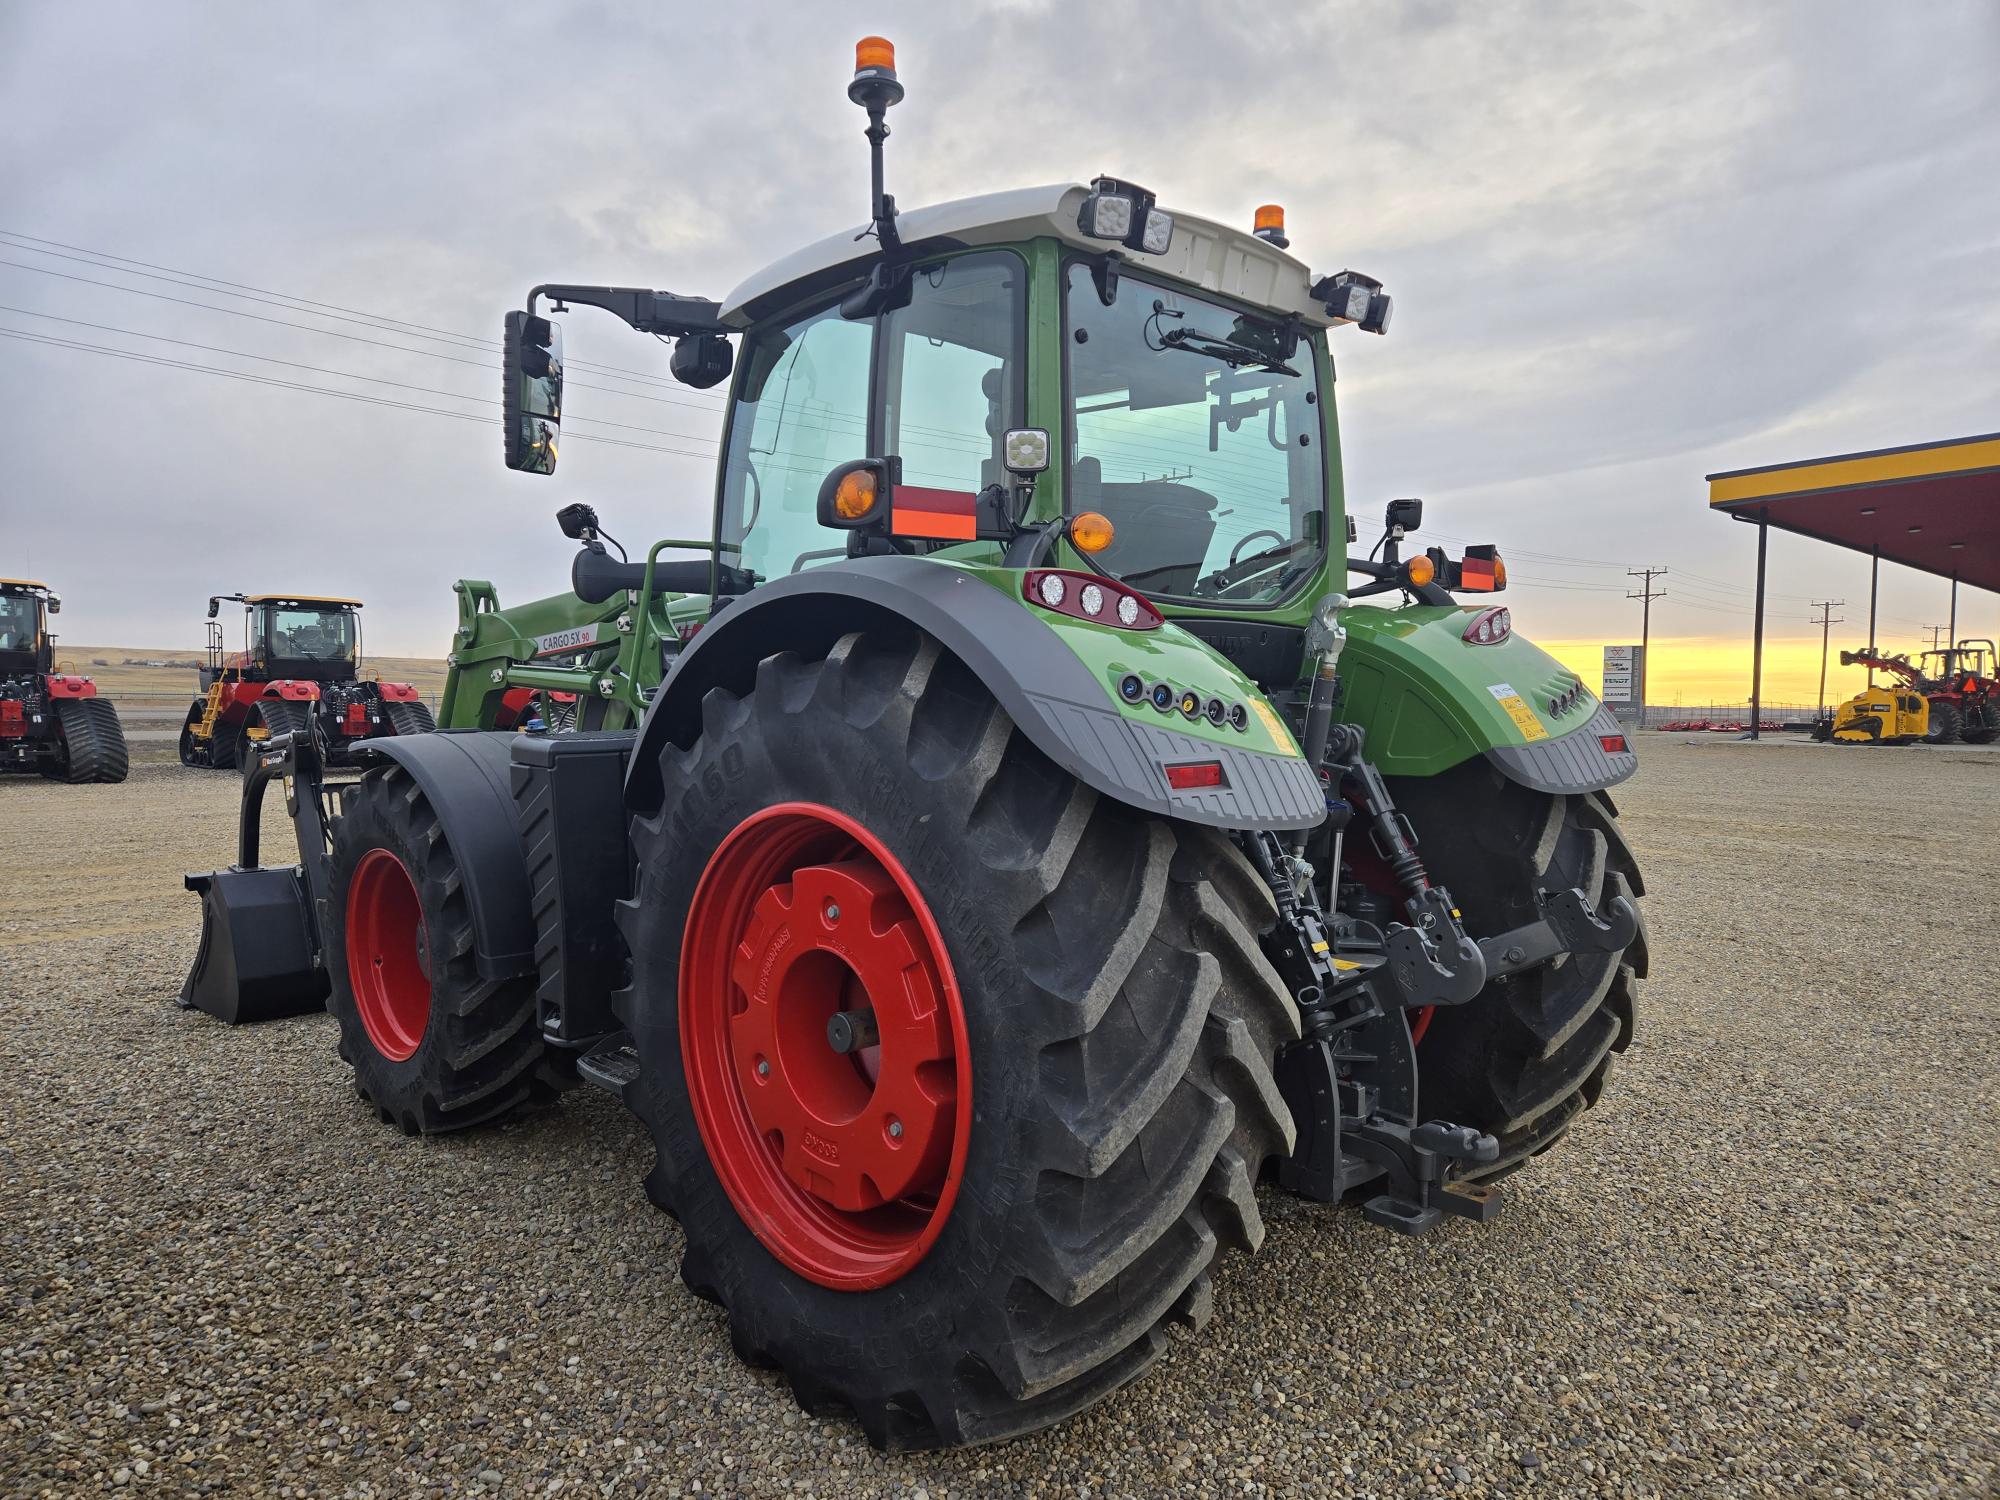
(647, 311)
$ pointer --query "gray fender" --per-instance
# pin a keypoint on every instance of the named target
(1574, 762)
(464, 774)
(1051, 696)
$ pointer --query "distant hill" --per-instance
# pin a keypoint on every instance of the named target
(130, 670)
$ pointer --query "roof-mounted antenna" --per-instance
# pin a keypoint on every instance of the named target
(875, 88)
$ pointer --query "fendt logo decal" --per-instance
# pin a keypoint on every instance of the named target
(559, 641)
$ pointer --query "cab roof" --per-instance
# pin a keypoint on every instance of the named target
(300, 599)
(23, 583)
(1203, 253)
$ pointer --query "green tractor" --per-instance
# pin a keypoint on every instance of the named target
(588, 659)
(1039, 845)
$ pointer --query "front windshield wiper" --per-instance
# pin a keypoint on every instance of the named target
(1231, 353)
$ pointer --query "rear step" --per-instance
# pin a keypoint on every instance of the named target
(612, 1065)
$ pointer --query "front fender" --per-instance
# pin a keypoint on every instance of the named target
(1429, 700)
(1056, 677)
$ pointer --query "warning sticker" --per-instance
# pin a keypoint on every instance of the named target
(1280, 735)
(1518, 710)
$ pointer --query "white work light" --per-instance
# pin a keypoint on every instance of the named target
(1124, 212)
(1025, 450)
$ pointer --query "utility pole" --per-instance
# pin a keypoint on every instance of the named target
(1826, 607)
(1647, 593)
(1936, 631)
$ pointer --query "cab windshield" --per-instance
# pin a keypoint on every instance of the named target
(20, 622)
(1195, 429)
(309, 634)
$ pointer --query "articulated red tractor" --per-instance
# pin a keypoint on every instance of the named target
(52, 722)
(1964, 695)
(300, 664)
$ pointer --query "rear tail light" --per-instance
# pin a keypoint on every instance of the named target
(1195, 775)
(1489, 627)
(1614, 744)
(1085, 596)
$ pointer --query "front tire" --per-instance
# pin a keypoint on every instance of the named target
(1118, 1028)
(1945, 724)
(434, 1046)
(1528, 1054)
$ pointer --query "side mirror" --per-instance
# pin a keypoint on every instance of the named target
(701, 360)
(1408, 514)
(532, 383)
(55, 604)
(214, 606)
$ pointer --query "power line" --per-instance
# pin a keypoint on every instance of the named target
(50, 341)
(1647, 593)
(1826, 607)
(345, 314)
(293, 364)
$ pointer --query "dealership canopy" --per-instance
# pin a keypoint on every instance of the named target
(1934, 507)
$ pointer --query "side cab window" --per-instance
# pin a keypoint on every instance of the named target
(935, 383)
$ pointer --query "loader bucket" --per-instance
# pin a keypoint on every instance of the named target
(257, 958)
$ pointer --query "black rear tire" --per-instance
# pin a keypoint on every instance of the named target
(93, 740)
(1121, 1021)
(1531, 1051)
(481, 1056)
(1946, 722)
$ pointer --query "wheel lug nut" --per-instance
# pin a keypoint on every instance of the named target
(763, 1067)
(832, 914)
(895, 1130)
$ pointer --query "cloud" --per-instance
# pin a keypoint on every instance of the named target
(1629, 246)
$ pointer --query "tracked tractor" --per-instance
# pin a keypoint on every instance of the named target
(300, 663)
(51, 721)
(1058, 826)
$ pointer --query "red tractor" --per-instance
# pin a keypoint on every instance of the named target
(300, 664)
(50, 721)
(1964, 695)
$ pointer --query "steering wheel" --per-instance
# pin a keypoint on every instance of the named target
(1237, 551)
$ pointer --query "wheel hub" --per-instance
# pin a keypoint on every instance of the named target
(843, 1158)
(388, 955)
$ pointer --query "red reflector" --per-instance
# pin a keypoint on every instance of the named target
(1614, 744)
(1196, 774)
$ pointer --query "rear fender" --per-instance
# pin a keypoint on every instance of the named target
(464, 775)
(1056, 677)
(1429, 700)
(62, 685)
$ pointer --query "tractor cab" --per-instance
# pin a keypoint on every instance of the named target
(288, 637)
(25, 643)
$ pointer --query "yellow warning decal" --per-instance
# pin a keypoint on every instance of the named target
(1321, 947)
(1518, 710)
(1280, 735)
(1345, 963)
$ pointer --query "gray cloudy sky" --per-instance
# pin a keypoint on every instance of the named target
(1629, 245)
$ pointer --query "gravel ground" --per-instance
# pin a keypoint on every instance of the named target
(1766, 1266)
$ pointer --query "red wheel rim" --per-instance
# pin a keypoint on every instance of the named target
(844, 1165)
(387, 961)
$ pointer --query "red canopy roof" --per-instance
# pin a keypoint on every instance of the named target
(1932, 506)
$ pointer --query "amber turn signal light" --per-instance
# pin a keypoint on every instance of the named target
(1420, 570)
(855, 495)
(1091, 532)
